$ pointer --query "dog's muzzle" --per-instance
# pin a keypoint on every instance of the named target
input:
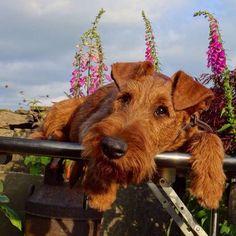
(113, 148)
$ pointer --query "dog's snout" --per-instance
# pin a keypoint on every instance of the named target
(113, 148)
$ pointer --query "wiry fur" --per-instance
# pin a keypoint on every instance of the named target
(105, 114)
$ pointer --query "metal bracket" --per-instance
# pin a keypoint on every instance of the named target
(176, 208)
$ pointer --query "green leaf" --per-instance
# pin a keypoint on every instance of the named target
(32, 160)
(225, 229)
(203, 220)
(224, 127)
(35, 169)
(12, 216)
(201, 214)
(28, 160)
(223, 112)
(4, 198)
(232, 230)
(45, 160)
(1, 187)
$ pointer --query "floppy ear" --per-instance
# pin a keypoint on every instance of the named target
(124, 71)
(189, 94)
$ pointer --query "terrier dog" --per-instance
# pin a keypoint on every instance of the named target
(125, 124)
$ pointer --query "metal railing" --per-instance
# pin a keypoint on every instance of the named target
(72, 151)
(69, 150)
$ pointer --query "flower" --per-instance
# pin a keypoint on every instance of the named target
(216, 60)
(108, 77)
(75, 72)
(216, 54)
(82, 81)
(89, 74)
(91, 90)
(148, 53)
(105, 67)
(216, 57)
(151, 52)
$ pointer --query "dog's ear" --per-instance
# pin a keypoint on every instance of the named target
(189, 94)
(125, 71)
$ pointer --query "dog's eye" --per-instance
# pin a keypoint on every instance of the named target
(161, 111)
(125, 98)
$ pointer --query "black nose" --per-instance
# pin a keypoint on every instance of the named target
(113, 148)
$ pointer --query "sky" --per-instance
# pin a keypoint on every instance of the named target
(38, 40)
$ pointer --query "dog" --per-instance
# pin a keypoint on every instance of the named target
(123, 125)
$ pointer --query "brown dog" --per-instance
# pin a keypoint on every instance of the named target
(125, 124)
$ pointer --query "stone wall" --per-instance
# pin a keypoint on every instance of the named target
(20, 122)
(14, 174)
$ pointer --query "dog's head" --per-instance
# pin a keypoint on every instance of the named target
(149, 113)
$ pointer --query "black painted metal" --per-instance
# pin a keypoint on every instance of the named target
(5, 158)
(59, 202)
(214, 223)
(72, 151)
(9, 145)
(58, 210)
(40, 147)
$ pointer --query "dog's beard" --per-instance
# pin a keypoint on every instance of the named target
(132, 168)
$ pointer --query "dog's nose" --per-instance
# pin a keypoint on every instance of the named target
(113, 148)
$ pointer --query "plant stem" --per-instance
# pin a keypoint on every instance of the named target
(230, 110)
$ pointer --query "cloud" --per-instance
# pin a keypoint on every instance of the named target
(42, 7)
(38, 38)
(123, 13)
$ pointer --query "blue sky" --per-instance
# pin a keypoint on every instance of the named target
(38, 39)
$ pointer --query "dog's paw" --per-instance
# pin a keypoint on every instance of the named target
(208, 189)
(100, 202)
(207, 174)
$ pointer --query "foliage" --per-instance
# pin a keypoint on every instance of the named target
(214, 116)
(220, 116)
(7, 211)
(36, 164)
(89, 73)
(222, 79)
(151, 51)
(203, 216)
(37, 111)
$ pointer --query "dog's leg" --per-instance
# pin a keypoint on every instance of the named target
(56, 123)
(207, 175)
(103, 201)
(101, 192)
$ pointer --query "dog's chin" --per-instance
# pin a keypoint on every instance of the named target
(120, 171)
(131, 168)
(107, 169)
